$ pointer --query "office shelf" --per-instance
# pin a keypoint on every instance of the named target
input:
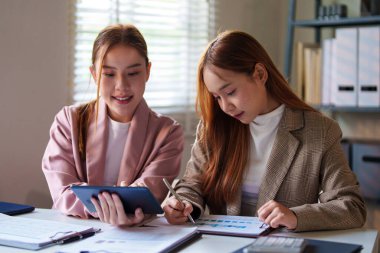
(337, 22)
(317, 25)
(353, 109)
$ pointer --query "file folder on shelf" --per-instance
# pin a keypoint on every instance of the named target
(369, 66)
(345, 86)
(326, 88)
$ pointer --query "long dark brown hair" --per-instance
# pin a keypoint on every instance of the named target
(110, 36)
(227, 139)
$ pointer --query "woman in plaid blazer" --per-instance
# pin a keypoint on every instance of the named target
(260, 150)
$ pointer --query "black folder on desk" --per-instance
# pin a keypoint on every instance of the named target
(319, 246)
(13, 208)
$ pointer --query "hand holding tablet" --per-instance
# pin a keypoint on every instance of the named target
(131, 197)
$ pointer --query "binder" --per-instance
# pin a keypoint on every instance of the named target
(369, 66)
(36, 234)
(312, 75)
(301, 66)
(326, 71)
(13, 208)
(345, 87)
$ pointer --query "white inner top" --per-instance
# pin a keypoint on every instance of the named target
(117, 137)
(263, 132)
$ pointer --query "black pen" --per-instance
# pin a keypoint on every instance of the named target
(76, 237)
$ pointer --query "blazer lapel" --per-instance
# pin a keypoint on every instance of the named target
(284, 149)
(129, 167)
(96, 147)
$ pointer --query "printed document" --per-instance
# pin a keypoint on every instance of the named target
(223, 225)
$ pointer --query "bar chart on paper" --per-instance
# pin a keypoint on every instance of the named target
(224, 225)
(231, 225)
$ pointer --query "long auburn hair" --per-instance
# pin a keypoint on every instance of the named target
(110, 36)
(226, 139)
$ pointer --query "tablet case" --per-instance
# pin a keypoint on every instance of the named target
(13, 208)
(132, 197)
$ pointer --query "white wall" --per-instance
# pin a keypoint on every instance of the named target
(33, 86)
(264, 20)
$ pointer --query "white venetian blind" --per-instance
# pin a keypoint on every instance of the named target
(176, 31)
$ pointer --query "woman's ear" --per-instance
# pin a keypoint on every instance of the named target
(93, 72)
(148, 71)
(260, 73)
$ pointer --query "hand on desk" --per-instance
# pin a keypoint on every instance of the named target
(275, 215)
(176, 212)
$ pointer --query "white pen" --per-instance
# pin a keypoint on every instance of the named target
(172, 191)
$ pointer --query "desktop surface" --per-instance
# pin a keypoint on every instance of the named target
(211, 243)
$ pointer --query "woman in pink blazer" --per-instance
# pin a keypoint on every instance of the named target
(116, 139)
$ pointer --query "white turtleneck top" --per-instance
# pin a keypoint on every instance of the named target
(263, 133)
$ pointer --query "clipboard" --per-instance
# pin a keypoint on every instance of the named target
(35, 234)
(132, 197)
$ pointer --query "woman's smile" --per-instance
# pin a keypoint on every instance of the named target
(122, 99)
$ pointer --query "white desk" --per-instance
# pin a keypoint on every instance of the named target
(210, 243)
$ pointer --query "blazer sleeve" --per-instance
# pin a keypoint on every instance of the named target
(190, 186)
(166, 163)
(341, 205)
(61, 166)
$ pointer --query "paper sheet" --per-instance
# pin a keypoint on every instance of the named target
(223, 224)
(135, 239)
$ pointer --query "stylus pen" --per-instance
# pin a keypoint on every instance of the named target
(172, 191)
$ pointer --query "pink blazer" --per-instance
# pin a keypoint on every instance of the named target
(152, 151)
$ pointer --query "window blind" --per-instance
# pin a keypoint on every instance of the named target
(176, 31)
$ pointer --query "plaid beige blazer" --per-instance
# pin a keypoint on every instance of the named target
(307, 172)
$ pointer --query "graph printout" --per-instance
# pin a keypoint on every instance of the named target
(231, 225)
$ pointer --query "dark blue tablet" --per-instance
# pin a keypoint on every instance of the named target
(132, 197)
(13, 208)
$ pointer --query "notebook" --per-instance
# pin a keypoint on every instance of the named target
(35, 234)
(13, 208)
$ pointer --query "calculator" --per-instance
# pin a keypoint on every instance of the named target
(276, 244)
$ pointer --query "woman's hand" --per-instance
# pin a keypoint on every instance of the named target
(135, 184)
(274, 214)
(110, 209)
(176, 212)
